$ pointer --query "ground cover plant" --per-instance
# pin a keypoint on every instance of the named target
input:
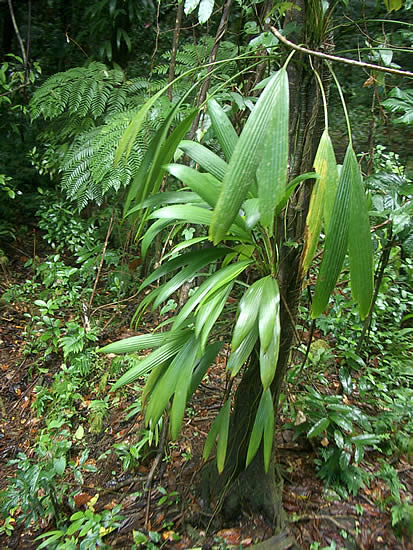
(207, 328)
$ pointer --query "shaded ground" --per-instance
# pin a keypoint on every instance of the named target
(160, 494)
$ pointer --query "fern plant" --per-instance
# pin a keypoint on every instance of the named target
(88, 109)
(400, 102)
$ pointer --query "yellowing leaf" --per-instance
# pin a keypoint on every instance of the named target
(322, 197)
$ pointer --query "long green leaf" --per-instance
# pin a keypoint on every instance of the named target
(272, 170)
(223, 436)
(262, 423)
(268, 311)
(269, 358)
(209, 311)
(159, 153)
(198, 258)
(208, 188)
(336, 238)
(269, 422)
(128, 138)
(183, 212)
(360, 246)
(219, 279)
(165, 197)
(224, 130)
(205, 185)
(136, 343)
(182, 388)
(238, 357)
(151, 233)
(248, 309)
(208, 160)
(160, 355)
(244, 161)
(166, 385)
(155, 375)
(215, 429)
(204, 363)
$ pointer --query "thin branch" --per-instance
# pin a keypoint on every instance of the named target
(109, 231)
(12, 91)
(337, 59)
(19, 38)
(175, 42)
(222, 27)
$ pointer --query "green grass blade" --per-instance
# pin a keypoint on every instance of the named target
(223, 128)
(336, 238)
(272, 170)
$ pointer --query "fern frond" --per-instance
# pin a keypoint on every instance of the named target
(400, 101)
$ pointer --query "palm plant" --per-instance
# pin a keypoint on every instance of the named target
(240, 202)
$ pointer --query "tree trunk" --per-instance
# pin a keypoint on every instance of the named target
(253, 489)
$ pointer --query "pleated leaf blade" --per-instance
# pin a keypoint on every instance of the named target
(223, 128)
(244, 162)
(248, 309)
(360, 246)
(336, 238)
(272, 170)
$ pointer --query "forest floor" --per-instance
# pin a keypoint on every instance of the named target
(159, 495)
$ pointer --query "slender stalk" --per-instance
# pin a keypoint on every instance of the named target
(175, 42)
(222, 27)
(109, 231)
(19, 38)
(384, 260)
